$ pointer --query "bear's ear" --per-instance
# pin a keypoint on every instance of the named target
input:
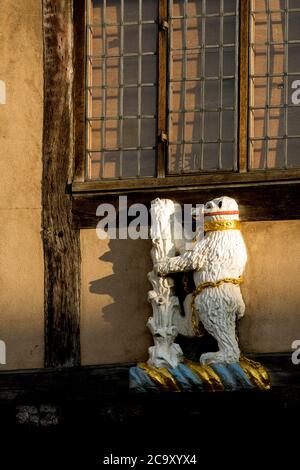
(220, 204)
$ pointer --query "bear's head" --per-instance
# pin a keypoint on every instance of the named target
(221, 208)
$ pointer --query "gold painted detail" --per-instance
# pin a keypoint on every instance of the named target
(219, 225)
(256, 373)
(197, 325)
(211, 381)
(161, 376)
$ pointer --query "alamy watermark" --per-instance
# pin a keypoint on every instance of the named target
(296, 354)
(133, 221)
(2, 353)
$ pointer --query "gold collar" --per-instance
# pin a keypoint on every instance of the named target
(216, 225)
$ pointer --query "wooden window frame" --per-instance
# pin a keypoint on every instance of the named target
(244, 184)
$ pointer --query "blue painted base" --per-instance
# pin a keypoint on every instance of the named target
(190, 376)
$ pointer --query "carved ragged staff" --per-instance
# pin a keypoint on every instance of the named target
(165, 304)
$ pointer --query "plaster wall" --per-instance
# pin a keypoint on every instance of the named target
(21, 118)
(114, 292)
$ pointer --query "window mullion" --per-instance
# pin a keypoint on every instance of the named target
(162, 89)
(243, 85)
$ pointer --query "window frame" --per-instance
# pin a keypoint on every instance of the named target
(176, 184)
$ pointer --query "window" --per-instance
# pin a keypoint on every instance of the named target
(203, 72)
(274, 80)
(186, 92)
(121, 88)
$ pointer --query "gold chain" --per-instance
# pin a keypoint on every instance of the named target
(216, 225)
(197, 325)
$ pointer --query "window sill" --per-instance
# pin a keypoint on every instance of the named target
(200, 179)
(262, 195)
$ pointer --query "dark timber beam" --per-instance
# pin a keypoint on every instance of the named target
(61, 242)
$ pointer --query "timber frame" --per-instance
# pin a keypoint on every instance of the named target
(69, 203)
(61, 242)
(262, 194)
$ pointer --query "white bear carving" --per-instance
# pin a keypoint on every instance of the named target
(219, 258)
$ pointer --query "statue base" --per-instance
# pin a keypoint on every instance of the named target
(193, 377)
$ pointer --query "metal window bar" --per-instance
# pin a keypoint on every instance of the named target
(203, 65)
(139, 121)
(87, 91)
(121, 89)
(286, 64)
(236, 86)
(221, 55)
(267, 120)
(103, 133)
(183, 83)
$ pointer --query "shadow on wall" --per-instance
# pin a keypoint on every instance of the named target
(121, 310)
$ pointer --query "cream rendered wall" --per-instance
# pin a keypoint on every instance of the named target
(114, 290)
(21, 118)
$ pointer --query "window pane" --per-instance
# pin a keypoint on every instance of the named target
(149, 69)
(176, 127)
(293, 158)
(111, 165)
(294, 56)
(213, 6)
(276, 154)
(192, 157)
(148, 163)
(212, 62)
(130, 70)
(294, 121)
(294, 29)
(227, 153)
(193, 65)
(194, 32)
(149, 10)
(148, 100)
(228, 93)
(228, 125)
(258, 154)
(130, 164)
(211, 127)
(130, 133)
(95, 164)
(276, 122)
(211, 88)
(131, 39)
(131, 12)
(212, 30)
(192, 96)
(229, 6)
(121, 88)
(149, 38)
(175, 159)
(112, 102)
(229, 30)
(193, 126)
(211, 156)
(111, 134)
(148, 133)
(229, 60)
(130, 102)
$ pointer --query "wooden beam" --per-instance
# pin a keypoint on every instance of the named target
(61, 242)
(261, 201)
